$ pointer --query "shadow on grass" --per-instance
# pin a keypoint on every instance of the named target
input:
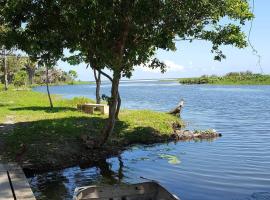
(56, 143)
(76, 126)
(44, 108)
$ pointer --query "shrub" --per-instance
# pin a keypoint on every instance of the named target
(20, 79)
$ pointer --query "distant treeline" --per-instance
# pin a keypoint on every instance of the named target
(21, 71)
(232, 78)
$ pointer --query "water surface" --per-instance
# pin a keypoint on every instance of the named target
(234, 167)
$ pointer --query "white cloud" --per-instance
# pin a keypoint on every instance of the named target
(171, 67)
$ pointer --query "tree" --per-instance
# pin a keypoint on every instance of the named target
(82, 57)
(73, 74)
(3, 53)
(119, 34)
(10, 64)
(30, 26)
(5, 68)
(30, 67)
(20, 79)
(6, 48)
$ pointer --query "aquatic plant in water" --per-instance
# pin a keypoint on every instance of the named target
(171, 159)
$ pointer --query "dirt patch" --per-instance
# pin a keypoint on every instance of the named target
(6, 128)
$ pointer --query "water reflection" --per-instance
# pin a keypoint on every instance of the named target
(46, 184)
(110, 176)
(61, 184)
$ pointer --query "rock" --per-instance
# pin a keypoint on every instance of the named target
(188, 135)
(176, 126)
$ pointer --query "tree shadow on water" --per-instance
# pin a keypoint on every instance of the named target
(110, 176)
(61, 184)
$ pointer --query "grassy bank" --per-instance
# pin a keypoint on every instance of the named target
(26, 87)
(40, 138)
(233, 78)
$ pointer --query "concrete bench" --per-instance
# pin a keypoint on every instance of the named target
(90, 107)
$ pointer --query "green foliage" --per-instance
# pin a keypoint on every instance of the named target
(13, 66)
(17, 64)
(20, 79)
(232, 78)
(107, 38)
(73, 74)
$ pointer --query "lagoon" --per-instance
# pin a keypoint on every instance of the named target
(233, 167)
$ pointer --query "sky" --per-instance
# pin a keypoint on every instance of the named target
(195, 59)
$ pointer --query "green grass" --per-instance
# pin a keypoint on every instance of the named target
(51, 134)
(232, 78)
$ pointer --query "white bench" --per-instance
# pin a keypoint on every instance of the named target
(90, 107)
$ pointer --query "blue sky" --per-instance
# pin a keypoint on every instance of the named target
(194, 59)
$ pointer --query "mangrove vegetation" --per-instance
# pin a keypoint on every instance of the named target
(232, 78)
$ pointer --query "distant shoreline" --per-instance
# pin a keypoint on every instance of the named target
(232, 78)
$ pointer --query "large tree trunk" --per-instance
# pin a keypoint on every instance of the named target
(47, 85)
(108, 129)
(97, 76)
(5, 69)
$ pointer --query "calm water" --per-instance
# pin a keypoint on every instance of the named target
(234, 167)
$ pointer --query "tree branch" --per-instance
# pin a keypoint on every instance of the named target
(106, 75)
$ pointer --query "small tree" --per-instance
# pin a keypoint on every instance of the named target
(20, 79)
(4, 66)
(29, 26)
(84, 57)
(30, 67)
(73, 74)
